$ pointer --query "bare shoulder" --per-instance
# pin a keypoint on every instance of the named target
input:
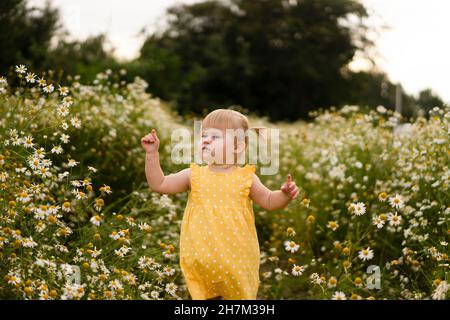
(255, 180)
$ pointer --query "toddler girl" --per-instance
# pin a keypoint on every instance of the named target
(219, 249)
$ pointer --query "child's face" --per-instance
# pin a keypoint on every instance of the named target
(217, 146)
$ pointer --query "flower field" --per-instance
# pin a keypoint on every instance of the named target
(77, 220)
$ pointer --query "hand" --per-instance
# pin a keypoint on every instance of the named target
(150, 142)
(289, 188)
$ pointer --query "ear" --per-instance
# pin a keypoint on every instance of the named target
(240, 147)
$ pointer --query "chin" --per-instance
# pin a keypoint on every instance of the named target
(206, 156)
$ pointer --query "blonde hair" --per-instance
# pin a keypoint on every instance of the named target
(226, 119)
(229, 119)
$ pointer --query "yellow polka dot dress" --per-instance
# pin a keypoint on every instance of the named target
(219, 249)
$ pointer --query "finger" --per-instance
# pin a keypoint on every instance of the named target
(148, 139)
(293, 192)
(289, 178)
(290, 187)
(295, 195)
(153, 133)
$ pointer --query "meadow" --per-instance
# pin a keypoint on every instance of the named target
(77, 220)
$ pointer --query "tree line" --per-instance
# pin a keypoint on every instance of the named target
(277, 58)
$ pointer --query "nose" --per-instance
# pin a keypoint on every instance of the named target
(206, 140)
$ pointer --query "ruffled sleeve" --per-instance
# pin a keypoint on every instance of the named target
(249, 170)
(195, 180)
(194, 175)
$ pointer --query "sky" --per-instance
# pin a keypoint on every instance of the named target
(412, 51)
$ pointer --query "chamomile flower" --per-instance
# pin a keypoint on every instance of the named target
(75, 122)
(62, 111)
(67, 101)
(49, 89)
(145, 227)
(291, 246)
(30, 78)
(106, 189)
(40, 226)
(315, 278)
(365, 254)
(122, 251)
(34, 163)
(333, 225)
(64, 138)
(63, 91)
(66, 207)
(305, 202)
(397, 201)
(115, 235)
(80, 195)
(145, 262)
(358, 208)
(28, 142)
(290, 232)
(297, 270)
(378, 222)
(171, 288)
(383, 196)
(381, 109)
(42, 82)
(441, 291)
(394, 219)
(358, 282)
(92, 169)
(332, 282)
(72, 163)
(99, 204)
(3, 176)
(169, 271)
(28, 242)
(96, 220)
(339, 295)
(57, 149)
(23, 197)
(21, 69)
(14, 278)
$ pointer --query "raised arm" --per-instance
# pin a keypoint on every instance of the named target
(157, 182)
(273, 200)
